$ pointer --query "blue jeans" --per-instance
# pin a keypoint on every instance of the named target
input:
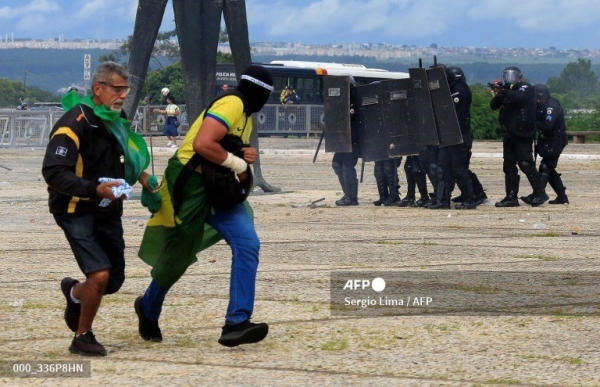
(237, 228)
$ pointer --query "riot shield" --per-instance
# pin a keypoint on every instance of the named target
(373, 137)
(421, 110)
(396, 96)
(448, 128)
(338, 136)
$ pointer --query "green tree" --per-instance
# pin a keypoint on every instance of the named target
(576, 77)
(484, 121)
(13, 92)
(164, 47)
(172, 77)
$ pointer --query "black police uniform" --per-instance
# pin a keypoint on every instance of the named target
(472, 192)
(344, 166)
(516, 103)
(552, 140)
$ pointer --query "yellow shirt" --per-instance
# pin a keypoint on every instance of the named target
(229, 111)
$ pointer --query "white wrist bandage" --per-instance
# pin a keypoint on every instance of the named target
(236, 164)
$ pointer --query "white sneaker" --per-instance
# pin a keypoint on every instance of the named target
(169, 144)
(173, 146)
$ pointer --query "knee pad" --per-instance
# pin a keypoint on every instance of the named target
(415, 170)
(114, 283)
(337, 168)
(526, 166)
(545, 168)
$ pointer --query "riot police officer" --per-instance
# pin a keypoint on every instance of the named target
(460, 154)
(552, 139)
(344, 163)
(435, 161)
(516, 101)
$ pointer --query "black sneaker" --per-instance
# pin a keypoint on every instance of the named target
(243, 333)
(86, 345)
(72, 310)
(149, 330)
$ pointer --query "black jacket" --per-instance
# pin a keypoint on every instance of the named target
(551, 120)
(462, 97)
(517, 109)
(80, 151)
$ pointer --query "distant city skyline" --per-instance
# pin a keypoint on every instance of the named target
(481, 23)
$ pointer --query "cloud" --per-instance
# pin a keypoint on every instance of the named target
(396, 20)
(347, 20)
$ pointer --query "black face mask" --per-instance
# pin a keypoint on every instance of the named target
(256, 95)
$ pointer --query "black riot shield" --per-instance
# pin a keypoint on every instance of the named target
(421, 110)
(396, 96)
(446, 121)
(373, 135)
(338, 135)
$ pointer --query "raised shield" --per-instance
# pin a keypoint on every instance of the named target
(447, 124)
(421, 110)
(396, 96)
(338, 135)
(373, 135)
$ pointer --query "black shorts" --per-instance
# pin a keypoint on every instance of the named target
(96, 242)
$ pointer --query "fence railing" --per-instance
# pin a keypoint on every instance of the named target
(32, 127)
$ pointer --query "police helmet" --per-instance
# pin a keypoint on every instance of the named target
(511, 76)
(454, 74)
(165, 91)
(541, 91)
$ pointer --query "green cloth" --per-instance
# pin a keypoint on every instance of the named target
(171, 241)
(133, 145)
(151, 200)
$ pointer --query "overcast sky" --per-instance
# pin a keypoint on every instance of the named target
(480, 23)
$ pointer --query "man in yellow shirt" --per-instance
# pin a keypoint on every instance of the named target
(186, 223)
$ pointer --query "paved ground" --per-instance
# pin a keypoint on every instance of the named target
(300, 248)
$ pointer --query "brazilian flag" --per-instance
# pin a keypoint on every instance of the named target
(172, 240)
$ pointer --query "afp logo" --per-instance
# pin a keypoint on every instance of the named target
(377, 284)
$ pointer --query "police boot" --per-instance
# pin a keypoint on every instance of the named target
(343, 185)
(382, 188)
(442, 200)
(539, 194)
(351, 198)
(480, 195)
(393, 198)
(558, 187)
(409, 199)
(458, 199)
(422, 186)
(511, 184)
(466, 188)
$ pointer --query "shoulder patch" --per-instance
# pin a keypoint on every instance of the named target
(61, 151)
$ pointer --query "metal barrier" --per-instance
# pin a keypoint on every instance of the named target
(32, 127)
(26, 127)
